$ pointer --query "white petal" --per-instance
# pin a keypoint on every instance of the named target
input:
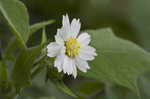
(59, 62)
(86, 57)
(87, 53)
(59, 38)
(74, 72)
(67, 66)
(84, 39)
(53, 49)
(65, 21)
(75, 27)
(82, 64)
(65, 31)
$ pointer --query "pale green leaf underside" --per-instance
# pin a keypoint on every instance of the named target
(16, 14)
(118, 60)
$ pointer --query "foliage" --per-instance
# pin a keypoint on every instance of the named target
(118, 72)
(118, 60)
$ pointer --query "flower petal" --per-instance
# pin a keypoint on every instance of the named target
(53, 49)
(87, 53)
(59, 62)
(84, 39)
(65, 21)
(74, 72)
(82, 64)
(65, 31)
(59, 38)
(75, 27)
(67, 66)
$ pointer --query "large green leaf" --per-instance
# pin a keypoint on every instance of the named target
(118, 61)
(90, 87)
(10, 49)
(114, 92)
(16, 14)
(21, 74)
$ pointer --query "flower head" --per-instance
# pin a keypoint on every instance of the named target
(71, 51)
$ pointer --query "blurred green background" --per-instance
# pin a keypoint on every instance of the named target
(129, 19)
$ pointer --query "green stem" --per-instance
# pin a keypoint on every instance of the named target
(39, 60)
(37, 71)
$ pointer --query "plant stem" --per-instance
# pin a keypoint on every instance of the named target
(41, 58)
(37, 71)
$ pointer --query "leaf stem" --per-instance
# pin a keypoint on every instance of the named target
(40, 59)
(37, 71)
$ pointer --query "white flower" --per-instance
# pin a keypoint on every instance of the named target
(71, 52)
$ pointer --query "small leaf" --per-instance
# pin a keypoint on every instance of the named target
(36, 27)
(90, 87)
(3, 74)
(21, 74)
(16, 14)
(118, 61)
(144, 85)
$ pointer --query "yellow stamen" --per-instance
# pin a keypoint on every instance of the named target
(72, 47)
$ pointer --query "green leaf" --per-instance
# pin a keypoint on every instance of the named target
(60, 84)
(3, 74)
(16, 14)
(144, 85)
(90, 87)
(12, 46)
(21, 74)
(118, 61)
(114, 92)
(56, 78)
(36, 27)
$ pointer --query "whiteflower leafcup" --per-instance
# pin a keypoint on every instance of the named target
(71, 50)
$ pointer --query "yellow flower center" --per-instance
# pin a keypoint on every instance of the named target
(72, 47)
